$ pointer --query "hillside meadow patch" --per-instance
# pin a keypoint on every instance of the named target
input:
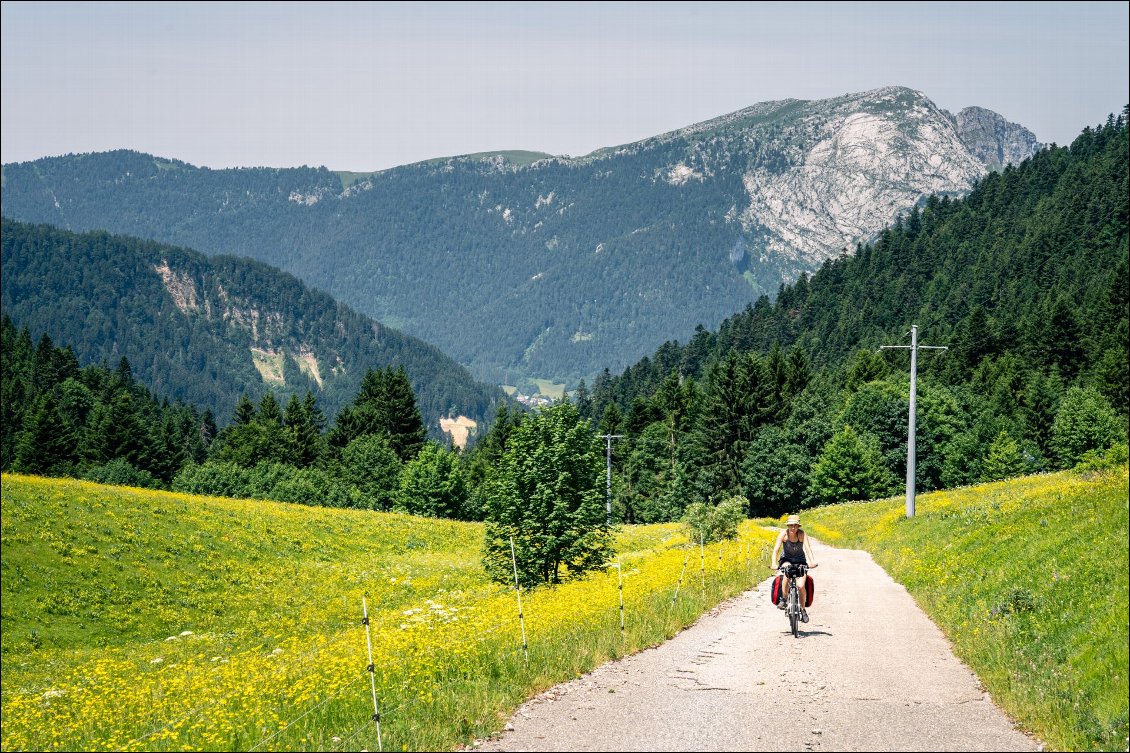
(144, 620)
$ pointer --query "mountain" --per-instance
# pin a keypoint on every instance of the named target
(207, 329)
(521, 266)
(1025, 276)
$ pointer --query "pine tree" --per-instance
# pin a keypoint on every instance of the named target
(385, 405)
(45, 442)
(244, 411)
(304, 422)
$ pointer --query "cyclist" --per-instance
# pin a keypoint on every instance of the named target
(794, 548)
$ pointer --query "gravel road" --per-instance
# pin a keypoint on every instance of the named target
(869, 672)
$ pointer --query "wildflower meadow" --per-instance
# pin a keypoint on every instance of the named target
(145, 620)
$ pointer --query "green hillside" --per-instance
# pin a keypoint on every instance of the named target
(1028, 580)
(143, 620)
(206, 330)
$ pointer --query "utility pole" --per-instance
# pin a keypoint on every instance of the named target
(914, 347)
(608, 488)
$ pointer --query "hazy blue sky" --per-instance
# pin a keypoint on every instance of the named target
(357, 86)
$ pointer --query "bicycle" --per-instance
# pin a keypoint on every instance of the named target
(792, 600)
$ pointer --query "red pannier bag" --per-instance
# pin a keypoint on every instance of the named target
(809, 589)
(775, 592)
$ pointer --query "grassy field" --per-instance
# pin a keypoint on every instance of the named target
(1028, 579)
(142, 620)
(550, 389)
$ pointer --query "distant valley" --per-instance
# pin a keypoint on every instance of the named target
(524, 266)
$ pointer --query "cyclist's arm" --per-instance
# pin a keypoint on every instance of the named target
(808, 556)
(776, 549)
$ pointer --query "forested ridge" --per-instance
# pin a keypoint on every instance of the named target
(206, 330)
(791, 404)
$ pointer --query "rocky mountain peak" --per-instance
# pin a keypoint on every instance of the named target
(994, 140)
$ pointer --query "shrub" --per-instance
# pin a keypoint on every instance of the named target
(120, 473)
(1084, 422)
(708, 523)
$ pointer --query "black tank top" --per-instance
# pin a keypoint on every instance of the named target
(793, 551)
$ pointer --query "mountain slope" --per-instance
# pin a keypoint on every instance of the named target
(207, 329)
(1030, 267)
(519, 266)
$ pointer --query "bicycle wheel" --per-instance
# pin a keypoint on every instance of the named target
(794, 610)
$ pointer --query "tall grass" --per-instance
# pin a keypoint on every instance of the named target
(143, 620)
(1028, 579)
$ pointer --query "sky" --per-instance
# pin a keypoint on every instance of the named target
(361, 87)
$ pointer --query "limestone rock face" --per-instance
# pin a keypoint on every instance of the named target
(846, 168)
(992, 139)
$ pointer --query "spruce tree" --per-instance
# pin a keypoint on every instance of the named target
(45, 441)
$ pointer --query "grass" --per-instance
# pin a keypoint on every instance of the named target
(144, 620)
(1028, 579)
(550, 389)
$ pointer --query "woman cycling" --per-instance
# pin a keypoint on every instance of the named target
(794, 548)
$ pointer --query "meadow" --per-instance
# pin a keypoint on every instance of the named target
(143, 620)
(1028, 580)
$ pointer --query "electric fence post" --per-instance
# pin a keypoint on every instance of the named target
(518, 590)
(702, 564)
(608, 483)
(686, 558)
(620, 587)
(372, 671)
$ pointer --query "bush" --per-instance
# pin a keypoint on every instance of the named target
(1093, 460)
(120, 473)
(432, 484)
(371, 465)
(708, 523)
(276, 481)
(216, 478)
(1085, 421)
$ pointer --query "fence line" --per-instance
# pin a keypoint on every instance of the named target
(296, 660)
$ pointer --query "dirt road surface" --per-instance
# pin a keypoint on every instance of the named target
(869, 672)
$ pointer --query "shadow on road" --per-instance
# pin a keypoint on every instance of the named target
(809, 633)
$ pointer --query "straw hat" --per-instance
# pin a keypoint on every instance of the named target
(794, 520)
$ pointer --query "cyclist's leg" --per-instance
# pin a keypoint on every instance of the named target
(800, 584)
